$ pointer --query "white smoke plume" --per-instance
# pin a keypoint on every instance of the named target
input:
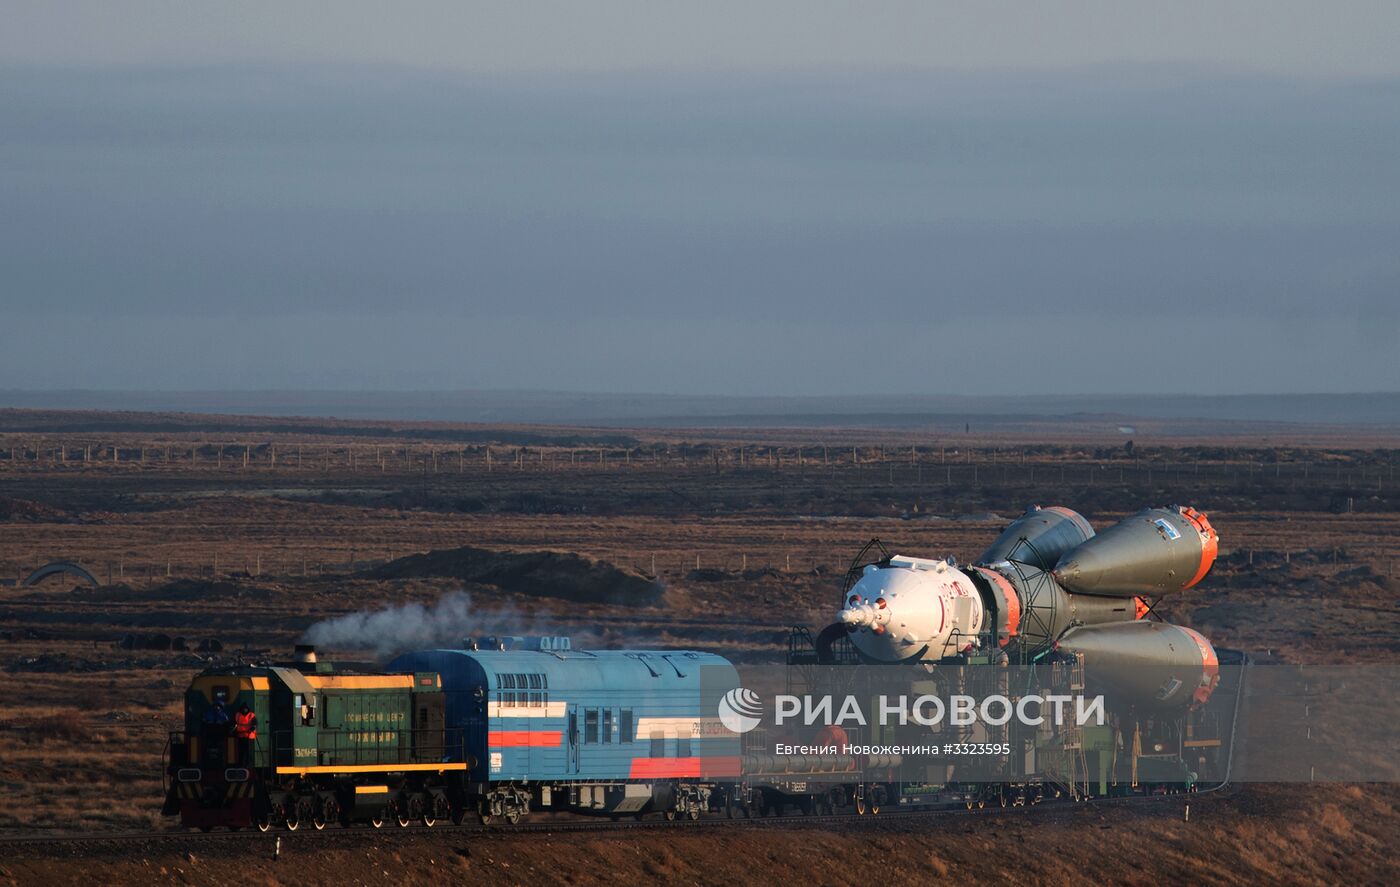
(400, 627)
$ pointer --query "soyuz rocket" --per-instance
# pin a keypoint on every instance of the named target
(1049, 582)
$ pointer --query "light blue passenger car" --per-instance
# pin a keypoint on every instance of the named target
(610, 731)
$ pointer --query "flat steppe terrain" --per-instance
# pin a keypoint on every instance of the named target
(246, 532)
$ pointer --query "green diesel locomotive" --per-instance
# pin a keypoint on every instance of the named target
(307, 743)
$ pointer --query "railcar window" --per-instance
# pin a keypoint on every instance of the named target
(658, 745)
(590, 726)
(536, 700)
(625, 725)
(607, 725)
(683, 747)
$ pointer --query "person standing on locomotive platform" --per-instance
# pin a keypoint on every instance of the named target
(245, 729)
(216, 715)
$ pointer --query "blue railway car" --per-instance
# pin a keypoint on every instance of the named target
(615, 732)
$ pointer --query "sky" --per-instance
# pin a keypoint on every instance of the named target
(773, 198)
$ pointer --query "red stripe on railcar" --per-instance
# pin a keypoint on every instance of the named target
(524, 738)
(684, 768)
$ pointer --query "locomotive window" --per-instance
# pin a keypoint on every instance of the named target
(590, 726)
(536, 681)
(536, 700)
(658, 745)
(607, 725)
(625, 726)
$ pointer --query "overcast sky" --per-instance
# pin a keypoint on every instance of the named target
(810, 198)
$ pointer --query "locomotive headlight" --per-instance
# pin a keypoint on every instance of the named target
(236, 774)
(188, 774)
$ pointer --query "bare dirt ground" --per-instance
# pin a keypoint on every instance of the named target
(246, 534)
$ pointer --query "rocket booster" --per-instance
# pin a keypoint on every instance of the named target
(1049, 580)
(1156, 551)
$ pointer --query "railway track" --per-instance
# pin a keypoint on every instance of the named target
(359, 832)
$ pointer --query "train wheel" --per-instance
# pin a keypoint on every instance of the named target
(293, 824)
(512, 816)
(860, 806)
(377, 821)
(402, 819)
(670, 816)
(206, 828)
(693, 813)
(428, 820)
(263, 823)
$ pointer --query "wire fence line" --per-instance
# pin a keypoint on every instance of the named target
(16, 454)
(1355, 485)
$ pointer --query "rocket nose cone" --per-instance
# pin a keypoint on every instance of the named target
(1080, 570)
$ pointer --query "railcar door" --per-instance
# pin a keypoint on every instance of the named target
(571, 739)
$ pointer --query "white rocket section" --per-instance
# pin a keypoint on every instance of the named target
(914, 608)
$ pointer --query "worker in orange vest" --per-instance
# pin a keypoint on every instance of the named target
(245, 729)
(245, 723)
